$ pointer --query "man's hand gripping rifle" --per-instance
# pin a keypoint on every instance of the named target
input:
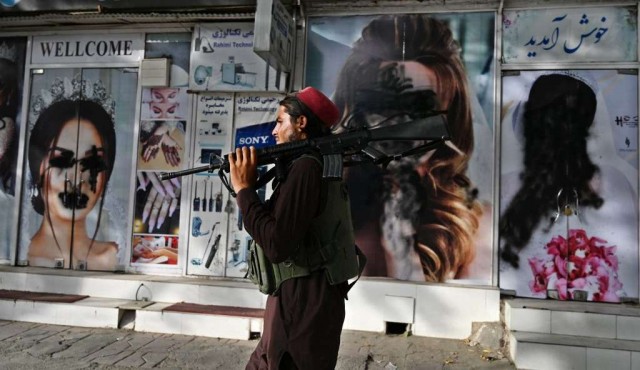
(339, 150)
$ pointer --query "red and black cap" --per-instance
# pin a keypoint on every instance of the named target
(320, 105)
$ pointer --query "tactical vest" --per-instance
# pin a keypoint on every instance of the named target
(329, 245)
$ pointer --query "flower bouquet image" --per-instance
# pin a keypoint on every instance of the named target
(578, 268)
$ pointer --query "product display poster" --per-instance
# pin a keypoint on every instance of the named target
(164, 103)
(78, 172)
(155, 250)
(222, 59)
(255, 116)
(12, 59)
(424, 217)
(210, 202)
(161, 148)
(568, 223)
(157, 204)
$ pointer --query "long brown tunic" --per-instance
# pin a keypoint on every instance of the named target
(305, 318)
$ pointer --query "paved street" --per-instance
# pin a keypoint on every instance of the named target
(41, 346)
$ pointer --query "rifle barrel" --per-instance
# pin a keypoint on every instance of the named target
(429, 128)
(170, 175)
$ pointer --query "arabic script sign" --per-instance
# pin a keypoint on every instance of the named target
(570, 35)
(222, 59)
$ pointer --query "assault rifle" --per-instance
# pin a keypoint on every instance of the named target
(339, 150)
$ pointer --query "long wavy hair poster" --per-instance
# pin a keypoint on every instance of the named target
(568, 222)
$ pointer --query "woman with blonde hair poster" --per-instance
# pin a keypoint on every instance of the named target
(418, 219)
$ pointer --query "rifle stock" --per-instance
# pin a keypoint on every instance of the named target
(432, 128)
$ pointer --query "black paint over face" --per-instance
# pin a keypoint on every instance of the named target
(93, 161)
(391, 99)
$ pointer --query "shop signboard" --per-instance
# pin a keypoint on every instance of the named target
(223, 59)
(570, 35)
(94, 48)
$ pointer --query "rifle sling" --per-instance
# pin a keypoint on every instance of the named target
(265, 178)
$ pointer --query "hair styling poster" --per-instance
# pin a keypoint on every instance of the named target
(425, 217)
(78, 172)
(569, 184)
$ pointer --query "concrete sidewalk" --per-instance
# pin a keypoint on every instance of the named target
(26, 345)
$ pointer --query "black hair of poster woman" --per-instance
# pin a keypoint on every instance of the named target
(558, 114)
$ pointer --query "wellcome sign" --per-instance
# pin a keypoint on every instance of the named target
(87, 49)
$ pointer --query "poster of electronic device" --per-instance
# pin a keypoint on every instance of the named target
(210, 209)
(255, 116)
(210, 201)
(222, 59)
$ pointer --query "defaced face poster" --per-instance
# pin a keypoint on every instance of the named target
(569, 182)
(425, 217)
(78, 172)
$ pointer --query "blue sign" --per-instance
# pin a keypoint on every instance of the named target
(258, 135)
(9, 3)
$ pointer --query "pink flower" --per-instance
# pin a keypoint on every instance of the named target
(539, 283)
(580, 284)
(579, 263)
(561, 287)
(557, 246)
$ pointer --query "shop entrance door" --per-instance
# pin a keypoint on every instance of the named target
(77, 168)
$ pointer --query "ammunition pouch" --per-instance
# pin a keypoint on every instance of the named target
(269, 276)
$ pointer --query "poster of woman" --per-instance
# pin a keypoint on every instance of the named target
(12, 54)
(425, 217)
(569, 213)
(80, 135)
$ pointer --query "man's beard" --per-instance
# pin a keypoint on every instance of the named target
(295, 136)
